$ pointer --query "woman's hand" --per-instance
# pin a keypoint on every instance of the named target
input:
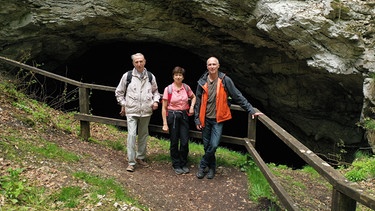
(191, 111)
(165, 128)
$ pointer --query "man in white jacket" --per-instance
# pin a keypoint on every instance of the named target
(138, 99)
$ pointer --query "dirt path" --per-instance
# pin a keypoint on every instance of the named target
(159, 188)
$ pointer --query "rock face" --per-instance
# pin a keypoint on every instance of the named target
(308, 63)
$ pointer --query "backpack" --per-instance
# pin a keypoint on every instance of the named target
(130, 76)
(170, 91)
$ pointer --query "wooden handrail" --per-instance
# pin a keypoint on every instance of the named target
(153, 128)
(336, 179)
(57, 77)
(345, 194)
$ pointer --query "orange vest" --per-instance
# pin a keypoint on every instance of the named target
(222, 108)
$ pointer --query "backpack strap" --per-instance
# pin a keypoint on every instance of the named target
(170, 91)
(149, 76)
(186, 88)
(130, 76)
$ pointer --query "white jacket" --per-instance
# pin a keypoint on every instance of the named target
(139, 96)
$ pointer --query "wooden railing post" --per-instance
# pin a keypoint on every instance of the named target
(251, 129)
(342, 202)
(84, 109)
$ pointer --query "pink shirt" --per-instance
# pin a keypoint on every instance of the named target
(179, 99)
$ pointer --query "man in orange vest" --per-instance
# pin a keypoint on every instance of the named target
(212, 109)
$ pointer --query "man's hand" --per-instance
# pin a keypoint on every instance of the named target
(122, 112)
(155, 106)
(256, 114)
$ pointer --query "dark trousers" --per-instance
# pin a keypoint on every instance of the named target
(178, 123)
(211, 135)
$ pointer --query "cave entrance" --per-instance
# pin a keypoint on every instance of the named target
(105, 63)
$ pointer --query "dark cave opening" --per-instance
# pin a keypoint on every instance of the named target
(104, 64)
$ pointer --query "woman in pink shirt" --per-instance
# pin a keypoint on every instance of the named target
(175, 113)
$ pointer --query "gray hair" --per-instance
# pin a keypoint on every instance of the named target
(136, 55)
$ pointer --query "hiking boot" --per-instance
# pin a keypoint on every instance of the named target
(185, 169)
(130, 168)
(200, 173)
(142, 162)
(211, 173)
(178, 170)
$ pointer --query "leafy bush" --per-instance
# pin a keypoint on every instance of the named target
(14, 188)
(362, 168)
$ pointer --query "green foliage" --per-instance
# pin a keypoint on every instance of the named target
(6, 145)
(52, 151)
(224, 156)
(163, 146)
(12, 186)
(362, 155)
(117, 145)
(103, 186)
(368, 123)
(65, 124)
(340, 11)
(100, 186)
(37, 111)
(372, 75)
(310, 170)
(230, 158)
(356, 175)
(15, 188)
(362, 168)
(10, 92)
(258, 184)
(70, 196)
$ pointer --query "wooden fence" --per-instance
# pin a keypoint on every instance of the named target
(345, 194)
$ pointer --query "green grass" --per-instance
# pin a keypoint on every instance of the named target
(117, 145)
(109, 188)
(52, 151)
(15, 144)
(18, 192)
(102, 186)
(310, 170)
(258, 185)
(70, 196)
(362, 168)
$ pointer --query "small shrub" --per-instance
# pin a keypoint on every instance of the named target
(12, 186)
(362, 168)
